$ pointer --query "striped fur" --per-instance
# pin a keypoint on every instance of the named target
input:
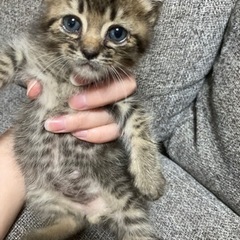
(71, 183)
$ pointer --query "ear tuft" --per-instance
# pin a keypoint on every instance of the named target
(155, 10)
(47, 2)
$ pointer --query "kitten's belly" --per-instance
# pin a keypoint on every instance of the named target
(78, 190)
(104, 204)
(45, 202)
(80, 175)
(92, 210)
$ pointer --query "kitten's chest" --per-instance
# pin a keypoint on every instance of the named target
(55, 94)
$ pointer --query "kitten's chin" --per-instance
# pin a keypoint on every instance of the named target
(87, 74)
(80, 79)
(77, 80)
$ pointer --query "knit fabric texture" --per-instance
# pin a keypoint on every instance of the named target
(190, 82)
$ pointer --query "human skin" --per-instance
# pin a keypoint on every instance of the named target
(12, 190)
(90, 123)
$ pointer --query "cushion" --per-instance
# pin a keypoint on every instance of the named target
(206, 144)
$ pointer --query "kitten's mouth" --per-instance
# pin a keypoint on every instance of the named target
(78, 80)
(86, 73)
(88, 66)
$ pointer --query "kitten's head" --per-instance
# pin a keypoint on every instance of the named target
(97, 39)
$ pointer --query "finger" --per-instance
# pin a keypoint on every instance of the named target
(34, 89)
(78, 121)
(100, 134)
(103, 95)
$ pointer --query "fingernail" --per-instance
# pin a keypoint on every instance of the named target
(31, 85)
(78, 102)
(81, 134)
(57, 124)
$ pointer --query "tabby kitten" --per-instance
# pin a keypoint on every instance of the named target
(71, 183)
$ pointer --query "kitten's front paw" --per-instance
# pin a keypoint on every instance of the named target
(148, 177)
(151, 186)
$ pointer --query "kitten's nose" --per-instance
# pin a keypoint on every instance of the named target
(90, 54)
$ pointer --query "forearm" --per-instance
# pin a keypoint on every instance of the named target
(12, 190)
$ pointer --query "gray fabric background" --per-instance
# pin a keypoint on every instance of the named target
(190, 81)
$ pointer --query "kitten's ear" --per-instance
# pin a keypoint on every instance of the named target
(47, 2)
(154, 13)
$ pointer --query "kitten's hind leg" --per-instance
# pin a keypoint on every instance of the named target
(132, 222)
(61, 229)
(62, 217)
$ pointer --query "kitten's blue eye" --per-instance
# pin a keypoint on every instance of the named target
(72, 24)
(117, 34)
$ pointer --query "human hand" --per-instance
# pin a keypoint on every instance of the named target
(91, 123)
(12, 185)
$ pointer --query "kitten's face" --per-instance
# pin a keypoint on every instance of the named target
(98, 39)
